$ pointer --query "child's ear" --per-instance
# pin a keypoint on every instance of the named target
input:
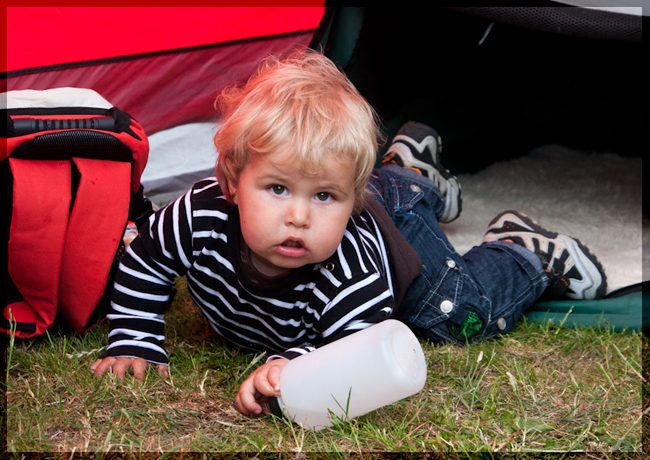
(232, 188)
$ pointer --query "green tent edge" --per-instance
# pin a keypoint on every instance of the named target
(625, 313)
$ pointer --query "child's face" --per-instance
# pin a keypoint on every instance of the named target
(290, 218)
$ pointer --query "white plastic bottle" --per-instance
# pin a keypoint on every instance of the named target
(352, 376)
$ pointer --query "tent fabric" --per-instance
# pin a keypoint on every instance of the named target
(62, 35)
(160, 88)
(180, 157)
(162, 91)
(618, 314)
(497, 83)
(494, 90)
(580, 22)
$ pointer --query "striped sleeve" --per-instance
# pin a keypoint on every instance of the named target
(144, 283)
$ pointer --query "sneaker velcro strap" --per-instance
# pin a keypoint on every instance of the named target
(557, 286)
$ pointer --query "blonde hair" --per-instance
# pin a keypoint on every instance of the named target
(301, 104)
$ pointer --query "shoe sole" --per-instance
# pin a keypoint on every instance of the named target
(453, 202)
(594, 284)
(406, 137)
(408, 134)
(413, 130)
(454, 193)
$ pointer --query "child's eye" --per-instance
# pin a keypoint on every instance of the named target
(323, 196)
(277, 189)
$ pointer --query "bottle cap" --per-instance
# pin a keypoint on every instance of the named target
(275, 404)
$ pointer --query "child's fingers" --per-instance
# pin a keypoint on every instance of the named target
(122, 365)
(102, 365)
(163, 370)
(262, 384)
(245, 400)
(273, 376)
(139, 367)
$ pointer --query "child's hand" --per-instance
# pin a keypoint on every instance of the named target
(121, 365)
(262, 383)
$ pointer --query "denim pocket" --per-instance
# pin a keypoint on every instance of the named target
(407, 196)
(453, 311)
(441, 302)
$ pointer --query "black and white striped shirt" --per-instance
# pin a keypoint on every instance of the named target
(198, 235)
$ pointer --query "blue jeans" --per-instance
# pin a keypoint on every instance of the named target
(458, 299)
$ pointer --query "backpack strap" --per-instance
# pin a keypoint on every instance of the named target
(41, 205)
(95, 229)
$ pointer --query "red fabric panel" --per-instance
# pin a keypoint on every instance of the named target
(21, 312)
(167, 90)
(38, 226)
(140, 151)
(40, 36)
(96, 226)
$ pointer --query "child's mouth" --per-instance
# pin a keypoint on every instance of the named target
(291, 248)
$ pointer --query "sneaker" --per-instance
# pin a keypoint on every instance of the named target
(417, 146)
(571, 269)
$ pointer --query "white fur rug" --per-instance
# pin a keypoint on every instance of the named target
(593, 197)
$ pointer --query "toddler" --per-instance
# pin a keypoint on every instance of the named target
(298, 241)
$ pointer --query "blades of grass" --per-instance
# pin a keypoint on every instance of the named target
(107, 441)
(202, 384)
(298, 438)
(607, 376)
(83, 353)
(515, 388)
(12, 335)
(628, 363)
(170, 451)
(564, 320)
(580, 438)
(482, 376)
(620, 441)
(253, 363)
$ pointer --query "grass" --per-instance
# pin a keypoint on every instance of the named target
(539, 389)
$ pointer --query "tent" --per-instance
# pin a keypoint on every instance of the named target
(531, 103)
(143, 60)
(496, 82)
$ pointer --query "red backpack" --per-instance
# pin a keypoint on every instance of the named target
(72, 164)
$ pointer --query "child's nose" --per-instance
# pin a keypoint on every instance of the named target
(298, 214)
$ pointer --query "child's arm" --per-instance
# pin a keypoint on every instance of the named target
(143, 290)
(263, 382)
